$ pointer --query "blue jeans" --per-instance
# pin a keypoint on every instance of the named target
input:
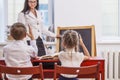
(65, 78)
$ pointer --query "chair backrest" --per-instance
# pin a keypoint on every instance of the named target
(91, 71)
(23, 70)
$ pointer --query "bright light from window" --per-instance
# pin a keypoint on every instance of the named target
(43, 1)
(110, 18)
(44, 11)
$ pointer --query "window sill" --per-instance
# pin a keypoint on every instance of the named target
(108, 42)
(113, 40)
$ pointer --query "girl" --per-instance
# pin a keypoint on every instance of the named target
(70, 57)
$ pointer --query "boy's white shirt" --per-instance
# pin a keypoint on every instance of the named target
(19, 54)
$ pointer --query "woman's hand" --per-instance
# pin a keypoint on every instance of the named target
(30, 34)
(58, 36)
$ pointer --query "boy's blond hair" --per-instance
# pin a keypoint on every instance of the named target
(18, 31)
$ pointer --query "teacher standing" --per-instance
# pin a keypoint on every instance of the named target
(30, 16)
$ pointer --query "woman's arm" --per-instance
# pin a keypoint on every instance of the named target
(33, 41)
(48, 33)
(30, 34)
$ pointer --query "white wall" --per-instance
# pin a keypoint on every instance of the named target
(83, 12)
(78, 12)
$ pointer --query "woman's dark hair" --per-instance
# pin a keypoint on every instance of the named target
(26, 6)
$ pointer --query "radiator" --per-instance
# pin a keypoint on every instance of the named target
(112, 65)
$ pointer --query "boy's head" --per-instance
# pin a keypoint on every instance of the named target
(70, 39)
(18, 31)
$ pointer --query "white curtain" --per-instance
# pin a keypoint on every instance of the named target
(2, 21)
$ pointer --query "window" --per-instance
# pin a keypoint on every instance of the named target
(110, 30)
(2, 21)
(47, 10)
(44, 11)
(110, 25)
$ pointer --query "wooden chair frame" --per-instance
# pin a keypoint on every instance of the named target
(23, 70)
(91, 71)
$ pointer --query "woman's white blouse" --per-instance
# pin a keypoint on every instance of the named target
(35, 23)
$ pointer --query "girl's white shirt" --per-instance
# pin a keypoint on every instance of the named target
(70, 58)
(35, 23)
(18, 54)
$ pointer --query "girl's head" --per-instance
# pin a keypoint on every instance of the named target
(30, 4)
(70, 39)
(18, 31)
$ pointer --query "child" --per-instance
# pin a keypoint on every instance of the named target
(70, 57)
(18, 53)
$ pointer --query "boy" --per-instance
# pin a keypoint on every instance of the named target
(18, 53)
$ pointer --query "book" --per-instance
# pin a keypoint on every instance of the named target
(49, 56)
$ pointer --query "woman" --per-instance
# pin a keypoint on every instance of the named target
(31, 17)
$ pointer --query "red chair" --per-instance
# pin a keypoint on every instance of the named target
(91, 71)
(23, 70)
